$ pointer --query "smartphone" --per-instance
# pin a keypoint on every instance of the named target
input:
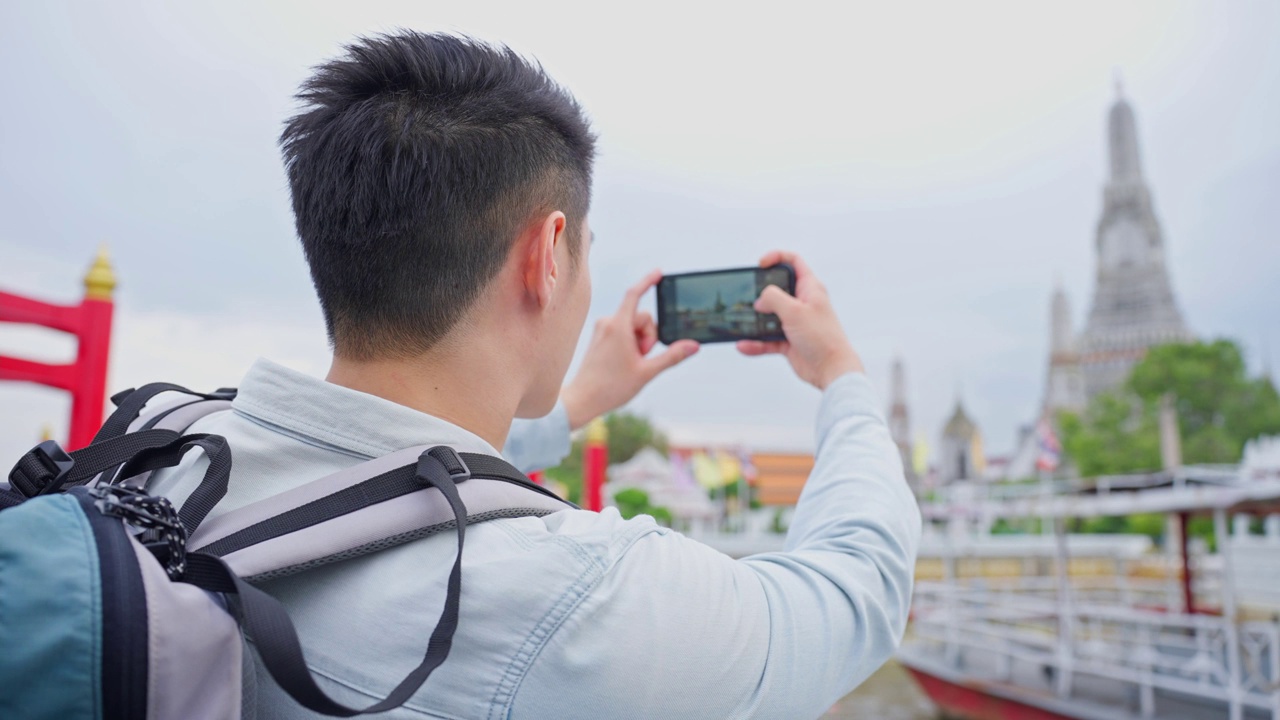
(717, 305)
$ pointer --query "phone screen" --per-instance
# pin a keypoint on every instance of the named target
(717, 306)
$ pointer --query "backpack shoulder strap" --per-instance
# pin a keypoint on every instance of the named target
(177, 417)
(266, 622)
(130, 404)
(375, 505)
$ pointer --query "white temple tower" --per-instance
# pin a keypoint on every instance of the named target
(1064, 385)
(1133, 303)
(900, 419)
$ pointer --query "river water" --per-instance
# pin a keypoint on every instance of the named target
(889, 694)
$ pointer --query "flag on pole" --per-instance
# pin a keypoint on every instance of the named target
(706, 471)
(1050, 450)
(730, 467)
(920, 457)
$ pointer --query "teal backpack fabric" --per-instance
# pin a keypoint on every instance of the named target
(50, 611)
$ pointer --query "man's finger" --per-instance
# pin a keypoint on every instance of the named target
(774, 299)
(760, 347)
(679, 351)
(646, 331)
(631, 300)
(783, 256)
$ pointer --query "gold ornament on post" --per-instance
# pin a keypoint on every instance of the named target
(597, 431)
(100, 281)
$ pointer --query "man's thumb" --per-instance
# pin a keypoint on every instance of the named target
(672, 356)
(777, 301)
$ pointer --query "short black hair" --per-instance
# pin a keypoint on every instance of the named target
(414, 161)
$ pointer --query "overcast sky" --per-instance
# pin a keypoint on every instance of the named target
(939, 163)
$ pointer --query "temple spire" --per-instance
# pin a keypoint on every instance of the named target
(1062, 331)
(1126, 165)
(898, 383)
(900, 418)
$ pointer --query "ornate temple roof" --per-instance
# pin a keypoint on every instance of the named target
(960, 426)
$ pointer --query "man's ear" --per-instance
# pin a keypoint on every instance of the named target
(541, 272)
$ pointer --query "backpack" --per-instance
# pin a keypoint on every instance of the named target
(114, 604)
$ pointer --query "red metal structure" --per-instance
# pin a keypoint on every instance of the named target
(1188, 582)
(90, 321)
(595, 457)
(979, 702)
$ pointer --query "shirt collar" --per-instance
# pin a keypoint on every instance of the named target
(321, 412)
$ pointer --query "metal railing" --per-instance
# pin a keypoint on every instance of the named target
(1103, 635)
(967, 491)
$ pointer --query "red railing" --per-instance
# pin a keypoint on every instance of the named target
(90, 321)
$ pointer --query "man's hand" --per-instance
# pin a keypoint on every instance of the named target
(617, 364)
(816, 345)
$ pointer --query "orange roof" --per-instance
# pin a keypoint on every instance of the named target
(780, 477)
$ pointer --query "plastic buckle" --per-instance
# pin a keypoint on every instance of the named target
(452, 462)
(53, 464)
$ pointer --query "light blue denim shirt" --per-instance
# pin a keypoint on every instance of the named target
(580, 614)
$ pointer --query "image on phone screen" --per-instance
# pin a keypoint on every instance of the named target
(718, 306)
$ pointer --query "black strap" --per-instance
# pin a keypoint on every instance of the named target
(100, 456)
(495, 468)
(129, 404)
(212, 488)
(35, 472)
(380, 488)
(265, 620)
(10, 498)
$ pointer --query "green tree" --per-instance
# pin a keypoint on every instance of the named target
(634, 501)
(1117, 434)
(1219, 409)
(1149, 524)
(631, 502)
(628, 435)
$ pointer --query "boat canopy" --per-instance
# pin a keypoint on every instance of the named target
(1191, 490)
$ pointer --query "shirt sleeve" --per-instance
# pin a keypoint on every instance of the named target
(840, 593)
(540, 443)
(676, 629)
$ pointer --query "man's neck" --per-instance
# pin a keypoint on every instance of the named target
(472, 390)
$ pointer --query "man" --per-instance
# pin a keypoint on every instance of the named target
(441, 189)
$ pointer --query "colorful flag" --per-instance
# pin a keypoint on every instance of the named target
(706, 471)
(749, 472)
(1050, 454)
(977, 457)
(681, 472)
(730, 468)
(920, 456)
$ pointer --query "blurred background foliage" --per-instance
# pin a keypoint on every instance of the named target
(1219, 409)
(628, 434)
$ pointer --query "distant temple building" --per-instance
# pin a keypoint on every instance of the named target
(1064, 387)
(960, 456)
(900, 421)
(1133, 302)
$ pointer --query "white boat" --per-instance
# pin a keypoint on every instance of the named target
(1202, 641)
